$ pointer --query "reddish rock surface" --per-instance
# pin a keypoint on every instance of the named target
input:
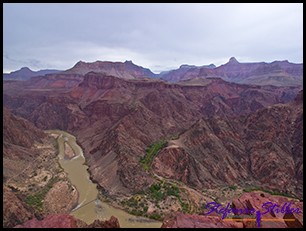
(199, 221)
(111, 223)
(67, 221)
(51, 221)
(247, 201)
(19, 131)
(213, 151)
(61, 198)
(257, 199)
(14, 210)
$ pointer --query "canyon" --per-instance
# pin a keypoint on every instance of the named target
(156, 147)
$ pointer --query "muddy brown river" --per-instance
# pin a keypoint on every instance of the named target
(89, 207)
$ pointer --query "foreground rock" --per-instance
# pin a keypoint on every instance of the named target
(199, 221)
(68, 221)
(257, 199)
(247, 201)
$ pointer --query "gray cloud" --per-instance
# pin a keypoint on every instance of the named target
(157, 36)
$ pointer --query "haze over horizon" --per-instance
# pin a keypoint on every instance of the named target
(156, 36)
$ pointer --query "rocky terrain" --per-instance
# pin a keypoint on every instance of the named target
(34, 183)
(155, 147)
(256, 200)
(67, 221)
(220, 151)
(15, 211)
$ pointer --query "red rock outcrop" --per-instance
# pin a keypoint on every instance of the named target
(181, 220)
(256, 149)
(19, 131)
(111, 223)
(61, 198)
(257, 199)
(247, 201)
(68, 221)
(14, 210)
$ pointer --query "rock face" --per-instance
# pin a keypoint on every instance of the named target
(198, 221)
(30, 167)
(19, 131)
(111, 223)
(14, 210)
(278, 73)
(61, 198)
(247, 201)
(68, 221)
(256, 200)
(254, 149)
(19, 136)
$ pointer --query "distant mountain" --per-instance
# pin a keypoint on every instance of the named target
(26, 73)
(126, 70)
(277, 73)
(175, 75)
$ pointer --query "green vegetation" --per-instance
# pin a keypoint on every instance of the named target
(233, 187)
(151, 152)
(257, 188)
(250, 189)
(184, 205)
(136, 206)
(132, 202)
(36, 200)
(156, 216)
(159, 191)
(156, 193)
(173, 190)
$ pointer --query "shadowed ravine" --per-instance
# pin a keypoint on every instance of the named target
(89, 207)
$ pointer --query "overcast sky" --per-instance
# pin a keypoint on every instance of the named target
(157, 36)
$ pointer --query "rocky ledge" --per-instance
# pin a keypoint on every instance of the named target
(68, 221)
(277, 217)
